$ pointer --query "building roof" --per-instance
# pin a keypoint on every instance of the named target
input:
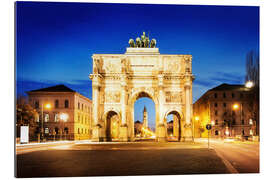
(57, 88)
(224, 87)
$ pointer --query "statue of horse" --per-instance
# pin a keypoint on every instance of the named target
(153, 43)
(146, 42)
(131, 43)
(138, 42)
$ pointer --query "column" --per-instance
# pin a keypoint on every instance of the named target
(95, 115)
(161, 129)
(188, 123)
(123, 127)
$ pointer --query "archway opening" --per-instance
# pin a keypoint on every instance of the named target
(144, 118)
(112, 126)
(173, 126)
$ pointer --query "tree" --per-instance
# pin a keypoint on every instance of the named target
(25, 115)
(253, 74)
(252, 68)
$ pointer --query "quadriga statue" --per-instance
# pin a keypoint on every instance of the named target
(153, 43)
(146, 42)
(131, 43)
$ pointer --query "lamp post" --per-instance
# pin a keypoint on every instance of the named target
(47, 106)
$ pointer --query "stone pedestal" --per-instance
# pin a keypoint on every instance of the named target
(161, 133)
(96, 134)
(187, 135)
(123, 136)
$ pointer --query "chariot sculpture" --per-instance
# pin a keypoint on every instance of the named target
(143, 42)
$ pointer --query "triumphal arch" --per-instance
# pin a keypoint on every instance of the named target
(118, 80)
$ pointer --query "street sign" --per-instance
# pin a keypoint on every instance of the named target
(208, 126)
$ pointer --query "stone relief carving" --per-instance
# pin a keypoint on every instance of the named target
(173, 97)
(111, 67)
(111, 97)
(173, 66)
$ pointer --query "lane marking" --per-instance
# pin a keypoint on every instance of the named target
(226, 162)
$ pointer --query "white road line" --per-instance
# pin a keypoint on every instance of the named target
(227, 163)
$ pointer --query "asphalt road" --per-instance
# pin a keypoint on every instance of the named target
(113, 159)
(243, 156)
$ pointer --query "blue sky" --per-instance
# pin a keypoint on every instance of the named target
(55, 41)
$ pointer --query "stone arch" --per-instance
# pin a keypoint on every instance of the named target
(140, 93)
(112, 123)
(177, 126)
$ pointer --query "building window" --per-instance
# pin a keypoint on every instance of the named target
(216, 132)
(66, 130)
(78, 130)
(46, 118)
(215, 95)
(78, 105)
(250, 132)
(243, 122)
(216, 105)
(224, 95)
(56, 103)
(56, 117)
(78, 118)
(224, 104)
(216, 122)
(233, 113)
(243, 132)
(36, 104)
(82, 107)
(250, 121)
(216, 112)
(232, 95)
(225, 113)
(66, 103)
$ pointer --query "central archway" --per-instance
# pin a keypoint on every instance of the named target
(136, 96)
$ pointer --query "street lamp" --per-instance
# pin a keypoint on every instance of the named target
(235, 106)
(249, 84)
(47, 106)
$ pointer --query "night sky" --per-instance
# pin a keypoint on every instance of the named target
(55, 41)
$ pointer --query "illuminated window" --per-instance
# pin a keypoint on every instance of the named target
(46, 118)
(250, 121)
(56, 117)
(250, 132)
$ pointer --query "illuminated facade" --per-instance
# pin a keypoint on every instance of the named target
(229, 108)
(118, 80)
(66, 113)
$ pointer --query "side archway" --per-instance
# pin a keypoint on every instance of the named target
(112, 121)
(177, 125)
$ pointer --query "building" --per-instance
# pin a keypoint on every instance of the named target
(229, 108)
(119, 80)
(145, 118)
(66, 113)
